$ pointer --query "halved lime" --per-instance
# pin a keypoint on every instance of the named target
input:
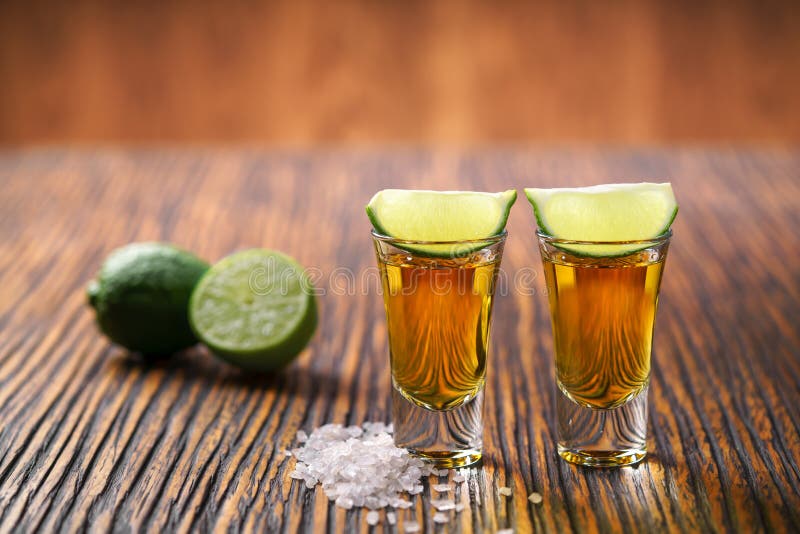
(255, 309)
(416, 215)
(611, 212)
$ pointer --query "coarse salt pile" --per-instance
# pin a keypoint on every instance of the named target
(358, 466)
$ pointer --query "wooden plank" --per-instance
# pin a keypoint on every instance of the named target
(91, 438)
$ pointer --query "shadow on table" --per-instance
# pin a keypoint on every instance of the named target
(196, 364)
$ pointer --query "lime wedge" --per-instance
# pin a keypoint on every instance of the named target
(612, 212)
(414, 215)
(255, 309)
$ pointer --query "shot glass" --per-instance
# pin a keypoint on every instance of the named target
(603, 298)
(438, 298)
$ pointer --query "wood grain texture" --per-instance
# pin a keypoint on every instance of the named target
(91, 439)
(300, 72)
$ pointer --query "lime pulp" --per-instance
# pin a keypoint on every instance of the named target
(255, 309)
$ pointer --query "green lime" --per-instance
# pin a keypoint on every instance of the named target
(255, 309)
(612, 212)
(439, 216)
(141, 296)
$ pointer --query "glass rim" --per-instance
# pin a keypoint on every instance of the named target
(490, 240)
(654, 240)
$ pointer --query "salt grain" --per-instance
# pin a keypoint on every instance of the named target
(504, 491)
(358, 466)
(439, 517)
(535, 498)
(459, 478)
(373, 517)
(412, 526)
(391, 518)
(344, 502)
(442, 488)
(354, 431)
(443, 472)
(505, 531)
(443, 504)
(459, 508)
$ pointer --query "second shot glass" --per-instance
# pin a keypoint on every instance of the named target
(603, 311)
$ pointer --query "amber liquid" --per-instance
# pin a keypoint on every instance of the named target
(603, 311)
(438, 313)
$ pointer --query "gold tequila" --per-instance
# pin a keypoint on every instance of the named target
(438, 313)
(603, 311)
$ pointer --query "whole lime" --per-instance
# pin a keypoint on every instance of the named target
(141, 297)
(256, 309)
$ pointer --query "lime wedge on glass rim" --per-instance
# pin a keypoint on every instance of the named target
(611, 212)
(440, 216)
(255, 309)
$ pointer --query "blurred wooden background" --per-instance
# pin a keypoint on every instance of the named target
(298, 72)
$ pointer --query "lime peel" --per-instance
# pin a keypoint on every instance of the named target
(141, 294)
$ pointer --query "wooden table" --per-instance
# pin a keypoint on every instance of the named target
(90, 438)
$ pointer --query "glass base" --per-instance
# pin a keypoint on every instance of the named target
(602, 438)
(448, 459)
(447, 439)
(602, 458)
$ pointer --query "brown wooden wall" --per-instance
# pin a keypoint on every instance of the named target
(375, 71)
